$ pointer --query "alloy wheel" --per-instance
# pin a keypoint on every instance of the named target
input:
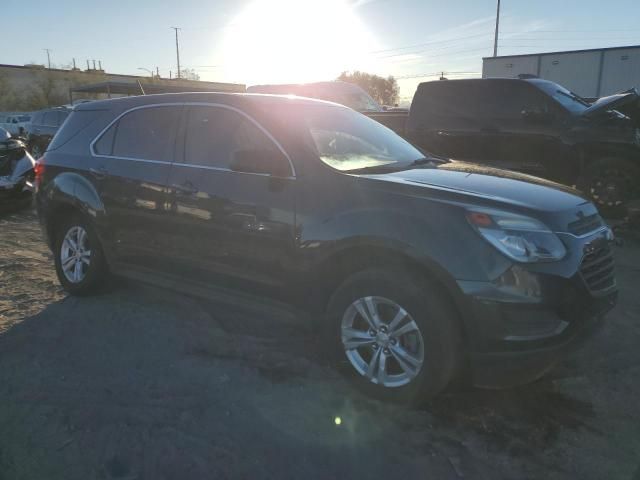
(75, 254)
(382, 341)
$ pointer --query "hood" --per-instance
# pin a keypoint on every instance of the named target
(492, 184)
(612, 102)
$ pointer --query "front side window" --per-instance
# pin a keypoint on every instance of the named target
(214, 134)
(569, 100)
(347, 140)
(146, 134)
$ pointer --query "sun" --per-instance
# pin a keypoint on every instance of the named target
(293, 41)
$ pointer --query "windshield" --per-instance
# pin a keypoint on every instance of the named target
(348, 141)
(569, 100)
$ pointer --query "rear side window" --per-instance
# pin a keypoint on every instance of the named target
(146, 134)
(437, 101)
(214, 134)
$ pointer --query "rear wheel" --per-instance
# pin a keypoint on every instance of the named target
(612, 184)
(394, 335)
(79, 260)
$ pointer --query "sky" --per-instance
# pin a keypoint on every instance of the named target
(286, 41)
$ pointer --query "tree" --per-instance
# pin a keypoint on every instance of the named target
(383, 90)
(46, 91)
(8, 98)
(189, 74)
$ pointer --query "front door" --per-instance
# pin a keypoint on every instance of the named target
(239, 225)
(526, 127)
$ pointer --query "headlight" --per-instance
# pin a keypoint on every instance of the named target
(523, 239)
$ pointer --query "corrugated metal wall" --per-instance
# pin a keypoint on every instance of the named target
(578, 72)
(621, 70)
(592, 73)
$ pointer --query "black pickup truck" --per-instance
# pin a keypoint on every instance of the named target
(537, 127)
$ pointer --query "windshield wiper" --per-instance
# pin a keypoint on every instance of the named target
(377, 169)
(428, 161)
(424, 162)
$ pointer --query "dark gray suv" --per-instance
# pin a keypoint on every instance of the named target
(418, 270)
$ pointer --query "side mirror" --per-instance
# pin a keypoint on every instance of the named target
(265, 162)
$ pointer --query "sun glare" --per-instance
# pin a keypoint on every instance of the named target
(291, 41)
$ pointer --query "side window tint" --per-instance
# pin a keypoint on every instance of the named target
(214, 134)
(104, 146)
(148, 134)
(508, 99)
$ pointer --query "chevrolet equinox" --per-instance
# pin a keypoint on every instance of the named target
(419, 269)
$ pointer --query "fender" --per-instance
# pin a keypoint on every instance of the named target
(69, 190)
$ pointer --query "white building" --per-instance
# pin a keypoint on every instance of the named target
(589, 73)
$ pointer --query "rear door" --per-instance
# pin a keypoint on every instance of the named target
(229, 223)
(130, 166)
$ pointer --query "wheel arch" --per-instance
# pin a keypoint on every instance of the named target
(70, 193)
(337, 267)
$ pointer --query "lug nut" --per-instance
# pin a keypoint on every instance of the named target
(375, 346)
(383, 329)
(372, 332)
(386, 351)
(393, 341)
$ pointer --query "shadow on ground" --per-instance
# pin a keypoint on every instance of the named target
(143, 383)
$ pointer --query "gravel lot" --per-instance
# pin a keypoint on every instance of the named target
(142, 383)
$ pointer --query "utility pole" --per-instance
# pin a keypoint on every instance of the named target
(177, 51)
(48, 57)
(158, 72)
(495, 42)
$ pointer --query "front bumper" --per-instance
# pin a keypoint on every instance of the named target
(512, 340)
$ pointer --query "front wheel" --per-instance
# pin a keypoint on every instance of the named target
(79, 260)
(394, 335)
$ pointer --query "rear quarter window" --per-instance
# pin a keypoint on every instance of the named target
(76, 123)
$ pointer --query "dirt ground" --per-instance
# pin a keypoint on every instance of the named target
(143, 383)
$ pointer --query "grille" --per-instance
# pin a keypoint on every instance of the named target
(586, 224)
(597, 269)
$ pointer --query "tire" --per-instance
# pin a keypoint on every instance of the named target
(611, 183)
(437, 331)
(92, 264)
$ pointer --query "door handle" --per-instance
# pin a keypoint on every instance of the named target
(186, 188)
(99, 172)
